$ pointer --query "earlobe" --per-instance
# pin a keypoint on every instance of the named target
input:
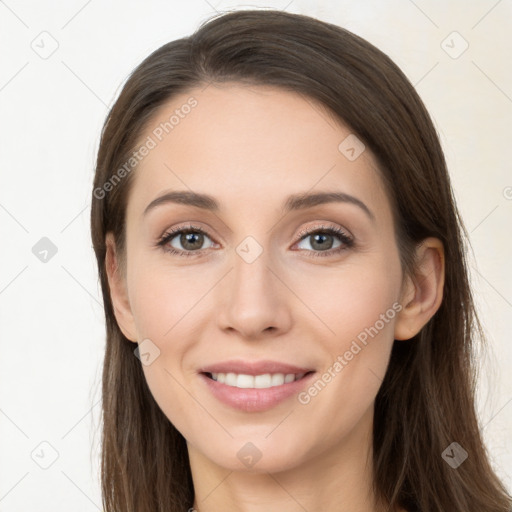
(118, 291)
(423, 292)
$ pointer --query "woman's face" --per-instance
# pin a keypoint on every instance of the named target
(261, 281)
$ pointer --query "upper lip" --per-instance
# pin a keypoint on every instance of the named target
(254, 367)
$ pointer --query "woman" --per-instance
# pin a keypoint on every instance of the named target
(289, 320)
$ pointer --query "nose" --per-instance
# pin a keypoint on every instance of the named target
(254, 299)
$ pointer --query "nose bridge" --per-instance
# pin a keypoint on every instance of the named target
(251, 269)
(253, 301)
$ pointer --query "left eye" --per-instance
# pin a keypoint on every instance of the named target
(323, 239)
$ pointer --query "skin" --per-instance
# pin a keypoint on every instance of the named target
(250, 147)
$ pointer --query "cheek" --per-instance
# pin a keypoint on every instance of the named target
(363, 314)
(167, 307)
(368, 305)
(358, 306)
(354, 298)
(164, 298)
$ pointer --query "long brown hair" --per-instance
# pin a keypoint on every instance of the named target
(427, 399)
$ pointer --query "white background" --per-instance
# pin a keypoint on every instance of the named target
(52, 110)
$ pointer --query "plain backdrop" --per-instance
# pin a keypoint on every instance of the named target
(63, 64)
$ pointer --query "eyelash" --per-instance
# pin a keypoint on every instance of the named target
(346, 240)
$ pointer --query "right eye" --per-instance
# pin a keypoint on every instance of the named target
(190, 238)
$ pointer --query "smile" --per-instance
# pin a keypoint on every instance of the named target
(266, 380)
(254, 386)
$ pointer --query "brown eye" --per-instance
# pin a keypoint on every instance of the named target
(185, 241)
(322, 241)
(191, 241)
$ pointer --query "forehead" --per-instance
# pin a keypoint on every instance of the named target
(251, 146)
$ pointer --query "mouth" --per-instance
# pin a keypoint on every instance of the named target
(258, 389)
(262, 381)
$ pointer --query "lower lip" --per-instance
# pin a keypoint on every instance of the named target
(254, 399)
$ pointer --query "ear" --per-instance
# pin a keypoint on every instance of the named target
(422, 293)
(118, 290)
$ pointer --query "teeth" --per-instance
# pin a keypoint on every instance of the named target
(231, 379)
(266, 380)
(242, 381)
(278, 379)
(289, 378)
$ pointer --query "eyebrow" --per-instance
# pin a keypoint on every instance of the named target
(293, 203)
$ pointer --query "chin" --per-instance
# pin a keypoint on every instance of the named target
(256, 456)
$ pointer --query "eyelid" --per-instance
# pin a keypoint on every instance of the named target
(318, 229)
